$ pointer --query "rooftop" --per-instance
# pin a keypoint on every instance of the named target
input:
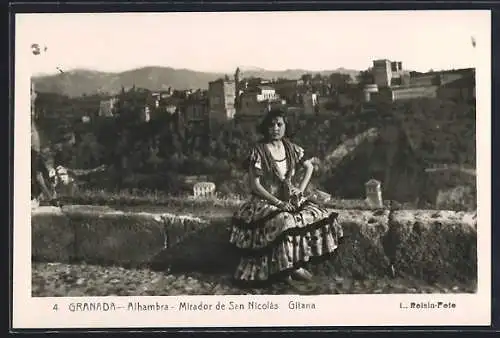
(222, 80)
(464, 71)
(412, 86)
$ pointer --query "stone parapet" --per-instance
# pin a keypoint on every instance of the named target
(426, 244)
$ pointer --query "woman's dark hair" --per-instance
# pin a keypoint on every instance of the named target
(263, 127)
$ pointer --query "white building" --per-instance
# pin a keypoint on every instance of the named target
(106, 107)
(310, 101)
(266, 93)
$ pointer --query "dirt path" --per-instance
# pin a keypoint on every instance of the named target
(55, 279)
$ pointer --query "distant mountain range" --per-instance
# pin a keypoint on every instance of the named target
(78, 82)
(291, 73)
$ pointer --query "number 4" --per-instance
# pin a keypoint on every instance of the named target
(55, 307)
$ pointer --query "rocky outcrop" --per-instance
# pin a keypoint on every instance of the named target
(426, 244)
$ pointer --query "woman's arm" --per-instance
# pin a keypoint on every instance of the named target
(307, 176)
(261, 191)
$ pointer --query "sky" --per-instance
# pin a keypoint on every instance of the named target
(219, 42)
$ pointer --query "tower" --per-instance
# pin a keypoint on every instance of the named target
(382, 73)
(221, 96)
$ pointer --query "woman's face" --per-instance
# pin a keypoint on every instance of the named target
(276, 130)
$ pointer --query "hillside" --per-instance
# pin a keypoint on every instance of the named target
(78, 82)
(292, 73)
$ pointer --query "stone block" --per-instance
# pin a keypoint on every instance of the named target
(434, 245)
(196, 245)
(178, 227)
(361, 252)
(119, 238)
(52, 235)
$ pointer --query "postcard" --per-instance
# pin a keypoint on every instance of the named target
(242, 169)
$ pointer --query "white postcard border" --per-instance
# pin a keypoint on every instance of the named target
(330, 310)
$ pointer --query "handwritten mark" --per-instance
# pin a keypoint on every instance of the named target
(36, 49)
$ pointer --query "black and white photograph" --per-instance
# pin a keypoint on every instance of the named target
(295, 162)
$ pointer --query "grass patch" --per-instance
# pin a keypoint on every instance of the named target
(218, 205)
(136, 198)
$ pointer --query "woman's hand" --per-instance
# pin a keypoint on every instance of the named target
(295, 191)
(286, 206)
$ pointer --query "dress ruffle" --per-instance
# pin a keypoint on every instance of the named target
(271, 242)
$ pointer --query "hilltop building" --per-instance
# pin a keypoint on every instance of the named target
(310, 102)
(463, 88)
(256, 96)
(266, 93)
(194, 114)
(222, 97)
(392, 81)
(388, 73)
(289, 90)
(256, 100)
(106, 107)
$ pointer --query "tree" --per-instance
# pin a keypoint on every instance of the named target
(88, 152)
(339, 80)
(365, 77)
(306, 78)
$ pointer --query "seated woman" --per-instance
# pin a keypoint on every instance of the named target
(278, 230)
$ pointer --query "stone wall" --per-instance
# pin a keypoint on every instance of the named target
(427, 244)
